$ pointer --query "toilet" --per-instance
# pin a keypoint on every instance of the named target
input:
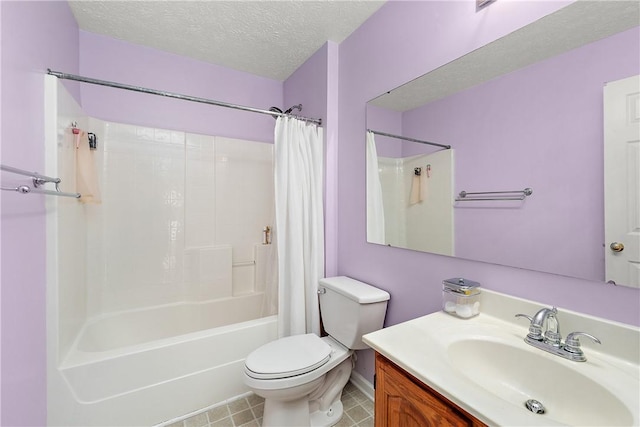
(301, 377)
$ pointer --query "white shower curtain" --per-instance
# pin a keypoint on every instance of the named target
(299, 224)
(375, 208)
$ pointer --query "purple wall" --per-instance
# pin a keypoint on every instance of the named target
(402, 41)
(106, 58)
(331, 129)
(35, 36)
(314, 85)
(308, 86)
(540, 127)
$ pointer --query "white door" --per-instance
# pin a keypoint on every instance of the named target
(622, 181)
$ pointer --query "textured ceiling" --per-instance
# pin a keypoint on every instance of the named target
(266, 38)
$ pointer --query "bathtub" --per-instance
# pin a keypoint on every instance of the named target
(143, 367)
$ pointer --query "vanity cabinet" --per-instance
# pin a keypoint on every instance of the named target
(404, 401)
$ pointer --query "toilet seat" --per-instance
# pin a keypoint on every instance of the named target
(288, 357)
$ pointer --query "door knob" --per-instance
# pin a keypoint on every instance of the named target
(617, 247)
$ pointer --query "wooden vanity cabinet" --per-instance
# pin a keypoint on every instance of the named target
(404, 401)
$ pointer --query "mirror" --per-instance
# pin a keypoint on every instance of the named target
(523, 116)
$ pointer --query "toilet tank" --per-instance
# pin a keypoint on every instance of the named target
(350, 309)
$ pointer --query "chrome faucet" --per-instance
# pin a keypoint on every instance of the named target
(538, 321)
(551, 339)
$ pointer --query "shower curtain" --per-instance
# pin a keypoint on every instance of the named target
(299, 224)
(375, 208)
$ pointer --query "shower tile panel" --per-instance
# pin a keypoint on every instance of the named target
(244, 194)
(208, 273)
(243, 279)
(199, 216)
(200, 147)
(263, 259)
(215, 271)
(200, 207)
(162, 135)
(141, 220)
(115, 133)
(178, 209)
(391, 172)
(70, 227)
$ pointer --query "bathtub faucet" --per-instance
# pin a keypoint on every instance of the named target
(266, 238)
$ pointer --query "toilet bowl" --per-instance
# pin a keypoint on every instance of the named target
(301, 377)
(293, 395)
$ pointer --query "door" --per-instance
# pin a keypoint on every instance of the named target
(622, 181)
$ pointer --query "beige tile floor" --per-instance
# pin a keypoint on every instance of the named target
(247, 412)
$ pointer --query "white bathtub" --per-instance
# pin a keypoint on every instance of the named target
(146, 366)
(134, 327)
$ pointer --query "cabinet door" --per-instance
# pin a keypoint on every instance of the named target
(402, 401)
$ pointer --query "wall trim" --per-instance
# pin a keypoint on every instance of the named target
(362, 384)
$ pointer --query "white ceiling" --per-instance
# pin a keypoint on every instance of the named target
(268, 38)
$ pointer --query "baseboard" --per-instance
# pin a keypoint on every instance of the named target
(362, 384)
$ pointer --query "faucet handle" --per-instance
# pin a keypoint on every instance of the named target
(572, 345)
(535, 331)
(525, 315)
(573, 342)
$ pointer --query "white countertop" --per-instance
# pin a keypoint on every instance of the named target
(420, 347)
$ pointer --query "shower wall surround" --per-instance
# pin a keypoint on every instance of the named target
(169, 263)
(181, 217)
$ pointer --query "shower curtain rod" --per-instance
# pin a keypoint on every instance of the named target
(408, 139)
(90, 80)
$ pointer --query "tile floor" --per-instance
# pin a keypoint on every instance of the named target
(247, 412)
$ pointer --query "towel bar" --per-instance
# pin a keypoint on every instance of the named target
(38, 180)
(499, 195)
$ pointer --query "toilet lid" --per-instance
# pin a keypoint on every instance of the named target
(288, 357)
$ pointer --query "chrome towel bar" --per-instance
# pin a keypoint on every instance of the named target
(37, 180)
(465, 196)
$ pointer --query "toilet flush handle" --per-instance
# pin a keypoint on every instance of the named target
(322, 290)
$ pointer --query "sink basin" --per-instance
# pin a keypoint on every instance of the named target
(516, 374)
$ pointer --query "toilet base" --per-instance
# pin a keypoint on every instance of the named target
(327, 418)
(286, 414)
(296, 414)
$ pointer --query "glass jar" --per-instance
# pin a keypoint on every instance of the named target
(461, 297)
